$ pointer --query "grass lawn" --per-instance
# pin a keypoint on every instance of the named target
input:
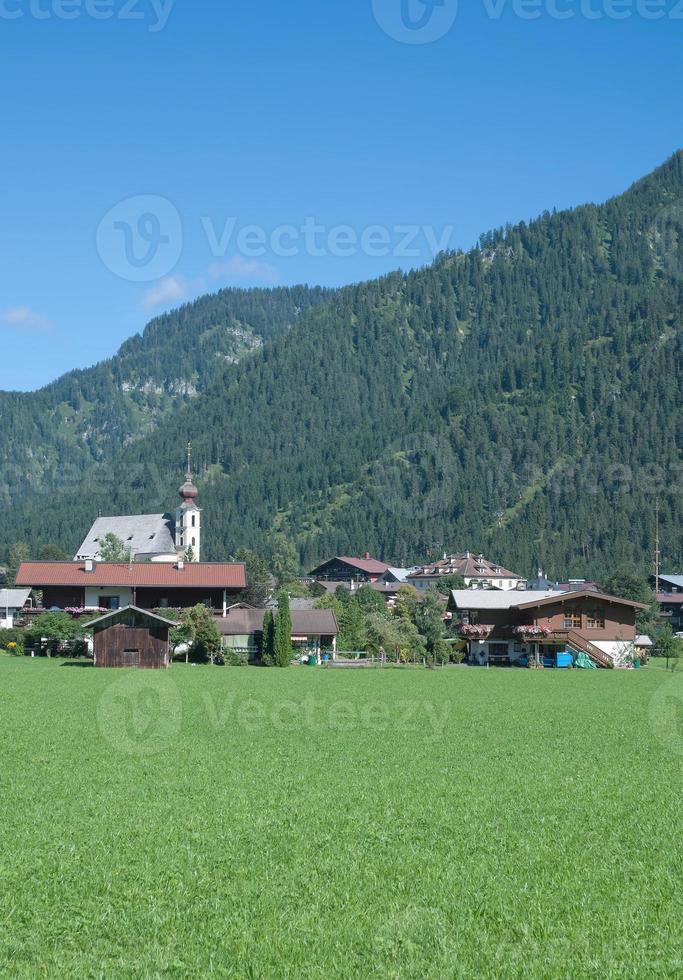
(312, 823)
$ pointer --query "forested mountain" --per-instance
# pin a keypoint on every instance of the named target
(522, 399)
(53, 436)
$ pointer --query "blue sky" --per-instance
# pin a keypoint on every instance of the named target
(225, 128)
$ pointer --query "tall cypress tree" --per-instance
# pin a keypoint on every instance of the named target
(283, 632)
(268, 640)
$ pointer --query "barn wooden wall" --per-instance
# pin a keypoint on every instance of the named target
(110, 644)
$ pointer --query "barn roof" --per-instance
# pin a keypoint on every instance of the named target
(145, 613)
(221, 575)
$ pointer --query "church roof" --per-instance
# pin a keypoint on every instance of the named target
(143, 534)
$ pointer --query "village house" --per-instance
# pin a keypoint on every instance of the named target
(90, 584)
(511, 627)
(476, 570)
(670, 599)
(313, 630)
(12, 604)
(344, 570)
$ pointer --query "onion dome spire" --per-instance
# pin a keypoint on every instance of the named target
(188, 492)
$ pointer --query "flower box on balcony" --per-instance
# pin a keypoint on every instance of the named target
(531, 632)
(474, 632)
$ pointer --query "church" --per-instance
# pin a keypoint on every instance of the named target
(153, 537)
(163, 569)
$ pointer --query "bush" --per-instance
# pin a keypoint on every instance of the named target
(458, 654)
(441, 652)
(235, 658)
(15, 637)
(80, 649)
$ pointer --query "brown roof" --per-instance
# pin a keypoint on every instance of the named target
(369, 565)
(221, 575)
(243, 620)
(584, 594)
(467, 564)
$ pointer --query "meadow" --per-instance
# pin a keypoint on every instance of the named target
(318, 823)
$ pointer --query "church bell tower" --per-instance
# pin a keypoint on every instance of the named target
(188, 517)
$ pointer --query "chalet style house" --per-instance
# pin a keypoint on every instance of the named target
(508, 627)
(85, 585)
(475, 569)
(670, 599)
(343, 571)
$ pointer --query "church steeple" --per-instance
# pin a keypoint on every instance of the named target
(188, 516)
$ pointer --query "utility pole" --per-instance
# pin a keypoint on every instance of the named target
(657, 553)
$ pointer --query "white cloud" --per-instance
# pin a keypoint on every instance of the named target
(166, 291)
(240, 268)
(24, 320)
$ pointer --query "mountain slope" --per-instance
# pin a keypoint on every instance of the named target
(523, 398)
(52, 436)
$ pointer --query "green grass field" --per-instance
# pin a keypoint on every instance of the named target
(312, 823)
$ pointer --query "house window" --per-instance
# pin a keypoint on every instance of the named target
(193, 520)
(596, 620)
(572, 620)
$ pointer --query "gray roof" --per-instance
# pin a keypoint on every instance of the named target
(676, 580)
(299, 604)
(243, 620)
(13, 598)
(398, 574)
(143, 534)
(492, 599)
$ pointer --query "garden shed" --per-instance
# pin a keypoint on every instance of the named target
(131, 637)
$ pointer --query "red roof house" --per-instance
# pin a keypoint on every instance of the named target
(148, 585)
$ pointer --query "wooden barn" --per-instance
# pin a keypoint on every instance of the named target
(131, 637)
